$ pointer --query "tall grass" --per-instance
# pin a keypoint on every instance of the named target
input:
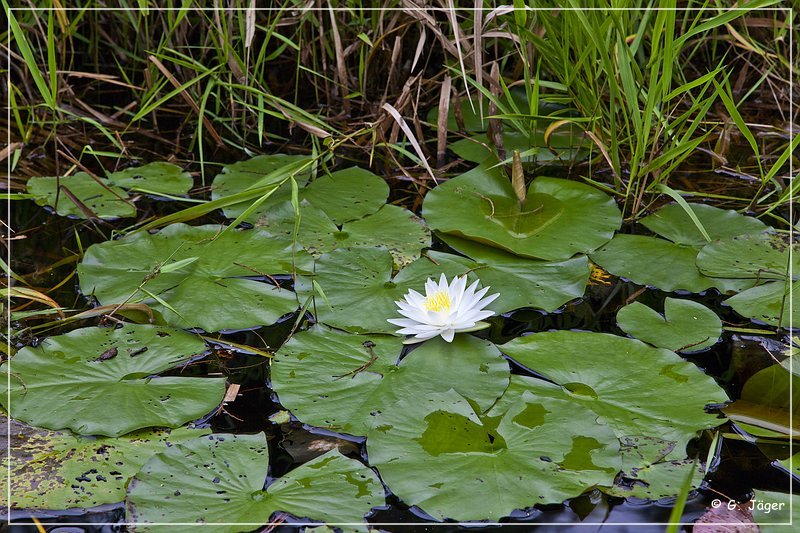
(650, 88)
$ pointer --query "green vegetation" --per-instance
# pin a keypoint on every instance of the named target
(216, 211)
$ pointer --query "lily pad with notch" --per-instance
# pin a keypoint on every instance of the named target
(197, 276)
(436, 452)
(558, 218)
(686, 326)
(639, 390)
(51, 470)
(220, 480)
(105, 381)
(346, 383)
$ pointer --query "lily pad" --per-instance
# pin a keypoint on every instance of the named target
(66, 193)
(639, 390)
(52, 470)
(437, 453)
(344, 195)
(99, 381)
(673, 223)
(360, 291)
(770, 400)
(761, 257)
(106, 197)
(258, 171)
(659, 480)
(219, 480)
(686, 326)
(659, 263)
(775, 511)
(346, 383)
(390, 227)
(770, 304)
(558, 219)
(195, 277)
(524, 282)
(158, 177)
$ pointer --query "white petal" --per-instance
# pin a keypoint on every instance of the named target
(448, 335)
(457, 291)
(414, 314)
(486, 301)
(402, 322)
(430, 288)
(427, 335)
(415, 298)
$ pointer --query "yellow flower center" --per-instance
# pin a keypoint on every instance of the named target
(438, 301)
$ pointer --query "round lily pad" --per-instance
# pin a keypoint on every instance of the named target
(639, 390)
(686, 326)
(524, 282)
(558, 218)
(51, 470)
(673, 223)
(219, 480)
(360, 291)
(103, 381)
(658, 263)
(437, 453)
(68, 194)
(195, 277)
(392, 228)
(346, 383)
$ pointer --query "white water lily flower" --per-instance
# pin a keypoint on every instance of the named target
(445, 310)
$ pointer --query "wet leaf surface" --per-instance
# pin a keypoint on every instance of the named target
(65, 383)
(685, 326)
(220, 480)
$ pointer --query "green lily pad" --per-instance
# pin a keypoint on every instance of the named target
(656, 481)
(194, 277)
(769, 303)
(558, 219)
(346, 382)
(659, 263)
(102, 199)
(565, 144)
(347, 194)
(344, 195)
(524, 282)
(220, 480)
(258, 171)
(686, 326)
(673, 223)
(52, 470)
(639, 390)
(158, 177)
(437, 453)
(98, 381)
(360, 291)
(761, 257)
(390, 227)
(106, 197)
